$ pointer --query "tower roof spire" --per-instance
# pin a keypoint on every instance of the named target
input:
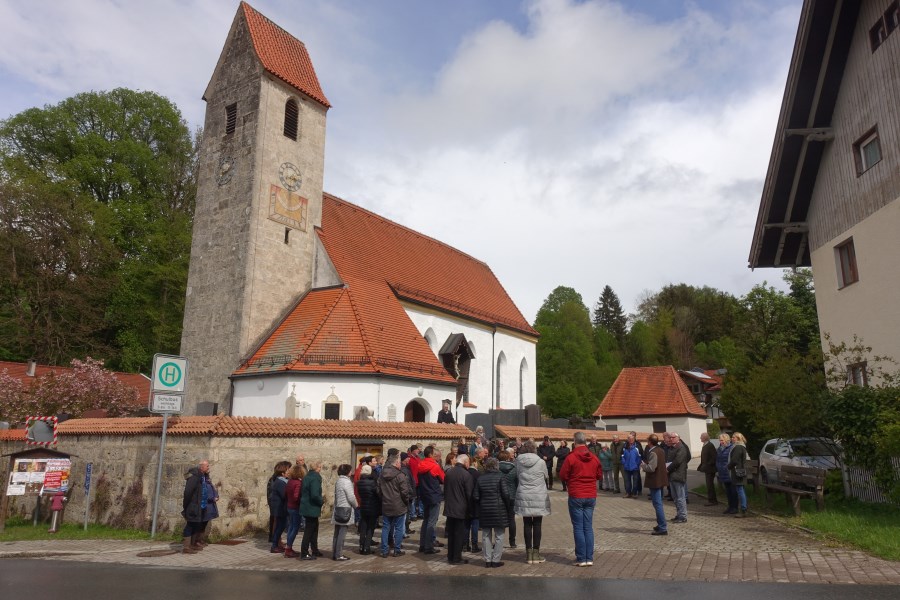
(283, 55)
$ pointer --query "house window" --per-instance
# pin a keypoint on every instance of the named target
(856, 375)
(659, 426)
(230, 118)
(867, 151)
(884, 26)
(845, 255)
(290, 119)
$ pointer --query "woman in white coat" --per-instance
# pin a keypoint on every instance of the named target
(344, 498)
(532, 498)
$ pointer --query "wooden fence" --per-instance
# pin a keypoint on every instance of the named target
(862, 485)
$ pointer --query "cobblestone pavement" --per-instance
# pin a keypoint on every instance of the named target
(711, 546)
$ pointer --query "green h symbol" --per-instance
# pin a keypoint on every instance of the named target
(170, 374)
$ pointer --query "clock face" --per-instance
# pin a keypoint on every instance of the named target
(290, 176)
(225, 170)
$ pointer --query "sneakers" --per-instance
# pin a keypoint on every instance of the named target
(659, 532)
(536, 556)
(399, 552)
(677, 520)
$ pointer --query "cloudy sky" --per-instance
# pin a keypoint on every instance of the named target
(568, 143)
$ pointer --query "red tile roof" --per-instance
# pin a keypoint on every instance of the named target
(558, 433)
(363, 327)
(649, 391)
(137, 381)
(712, 381)
(283, 55)
(12, 435)
(226, 426)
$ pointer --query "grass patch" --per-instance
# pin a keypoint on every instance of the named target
(869, 527)
(18, 529)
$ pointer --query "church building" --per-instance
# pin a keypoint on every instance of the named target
(301, 304)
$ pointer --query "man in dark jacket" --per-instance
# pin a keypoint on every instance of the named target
(194, 503)
(615, 449)
(493, 499)
(657, 478)
(708, 468)
(431, 478)
(458, 486)
(446, 415)
(678, 458)
(581, 471)
(547, 452)
(396, 493)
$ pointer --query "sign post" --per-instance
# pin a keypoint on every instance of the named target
(88, 470)
(166, 398)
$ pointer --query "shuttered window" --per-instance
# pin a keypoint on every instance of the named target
(230, 118)
(291, 114)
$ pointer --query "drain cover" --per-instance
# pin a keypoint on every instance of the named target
(153, 553)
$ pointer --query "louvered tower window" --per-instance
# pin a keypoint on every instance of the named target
(230, 118)
(290, 119)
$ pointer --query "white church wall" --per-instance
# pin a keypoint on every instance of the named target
(688, 428)
(267, 396)
(488, 346)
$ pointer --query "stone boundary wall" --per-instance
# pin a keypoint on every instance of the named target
(124, 476)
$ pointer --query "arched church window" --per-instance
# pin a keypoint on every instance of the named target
(501, 371)
(431, 338)
(291, 115)
(523, 375)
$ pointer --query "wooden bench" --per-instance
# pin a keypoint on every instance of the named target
(799, 482)
(752, 467)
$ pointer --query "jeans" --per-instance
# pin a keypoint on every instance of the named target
(731, 492)
(293, 526)
(280, 523)
(492, 544)
(607, 482)
(395, 525)
(473, 531)
(581, 511)
(632, 482)
(679, 493)
(742, 497)
(429, 523)
(656, 498)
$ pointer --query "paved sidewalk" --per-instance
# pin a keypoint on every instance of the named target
(711, 546)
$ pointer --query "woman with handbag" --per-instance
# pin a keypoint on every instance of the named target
(737, 467)
(344, 503)
(723, 459)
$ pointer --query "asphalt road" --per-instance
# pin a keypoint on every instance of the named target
(39, 579)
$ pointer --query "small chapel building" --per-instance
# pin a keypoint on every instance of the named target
(301, 304)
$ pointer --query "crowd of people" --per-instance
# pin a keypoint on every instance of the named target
(483, 487)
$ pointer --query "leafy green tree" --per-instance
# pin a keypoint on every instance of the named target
(641, 347)
(609, 316)
(567, 374)
(608, 357)
(126, 162)
(803, 295)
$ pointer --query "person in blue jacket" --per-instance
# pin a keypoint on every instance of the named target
(631, 464)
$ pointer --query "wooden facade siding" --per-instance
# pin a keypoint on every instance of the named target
(868, 97)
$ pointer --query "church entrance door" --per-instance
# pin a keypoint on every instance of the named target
(414, 412)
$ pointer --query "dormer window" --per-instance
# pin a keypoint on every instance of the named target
(291, 114)
(884, 26)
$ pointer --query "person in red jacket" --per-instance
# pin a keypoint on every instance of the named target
(415, 455)
(581, 471)
(292, 497)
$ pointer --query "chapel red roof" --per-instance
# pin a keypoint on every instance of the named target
(19, 371)
(649, 391)
(283, 55)
(228, 426)
(363, 326)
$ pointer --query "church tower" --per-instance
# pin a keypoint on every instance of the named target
(259, 200)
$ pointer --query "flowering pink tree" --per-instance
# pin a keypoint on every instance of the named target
(86, 386)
